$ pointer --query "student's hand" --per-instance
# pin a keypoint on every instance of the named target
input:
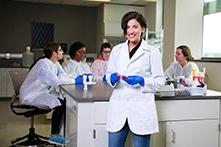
(79, 79)
(133, 80)
(114, 78)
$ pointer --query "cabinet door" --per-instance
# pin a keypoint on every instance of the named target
(9, 85)
(159, 139)
(100, 136)
(3, 83)
(201, 133)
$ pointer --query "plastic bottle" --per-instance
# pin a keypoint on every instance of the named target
(193, 73)
(85, 82)
(28, 57)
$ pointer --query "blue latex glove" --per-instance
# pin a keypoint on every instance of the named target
(104, 78)
(79, 79)
(114, 78)
(133, 80)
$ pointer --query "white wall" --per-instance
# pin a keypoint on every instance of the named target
(169, 32)
(183, 21)
(183, 24)
(213, 72)
(189, 25)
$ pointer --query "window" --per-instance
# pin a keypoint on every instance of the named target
(212, 29)
(41, 34)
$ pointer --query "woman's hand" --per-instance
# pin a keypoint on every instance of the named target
(133, 80)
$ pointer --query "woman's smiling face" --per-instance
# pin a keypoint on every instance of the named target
(134, 31)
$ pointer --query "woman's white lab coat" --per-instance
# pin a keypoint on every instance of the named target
(77, 68)
(175, 69)
(44, 75)
(135, 104)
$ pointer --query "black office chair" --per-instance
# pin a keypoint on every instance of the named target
(17, 77)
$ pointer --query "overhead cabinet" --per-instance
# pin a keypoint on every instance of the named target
(112, 15)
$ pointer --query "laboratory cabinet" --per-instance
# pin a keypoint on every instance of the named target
(85, 123)
(191, 122)
(3, 83)
(201, 133)
(6, 90)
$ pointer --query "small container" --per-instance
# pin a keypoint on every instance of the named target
(198, 91)
(90, 78)
(28, 57)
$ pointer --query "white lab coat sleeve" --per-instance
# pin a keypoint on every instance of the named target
(63, 77)
(47, 77)
(111, 67)
(169, 71)
(70, 67)
(156, 79)
(60, 69)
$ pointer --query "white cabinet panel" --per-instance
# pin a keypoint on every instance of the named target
(159, 139)
(100, 136)
(84, 125)
(100, 112)
(187, 109)
(203, 133)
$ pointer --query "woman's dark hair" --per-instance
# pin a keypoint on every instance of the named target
(132, 15)
(186, 52)
(74, 48)
(64, 47)
(50, 47)
(48, 50)
(105, 45)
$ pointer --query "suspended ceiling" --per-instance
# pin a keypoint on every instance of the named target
(92, 3)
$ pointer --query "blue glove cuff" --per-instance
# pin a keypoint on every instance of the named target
(104, 78)
(79, 79)
(114, 78)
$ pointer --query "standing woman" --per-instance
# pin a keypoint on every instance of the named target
(99, 65)
(135, 72)
(183, 65)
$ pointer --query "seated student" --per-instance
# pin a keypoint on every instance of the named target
(76, 65)
(99, 66)
(45, 74)
(183, 65)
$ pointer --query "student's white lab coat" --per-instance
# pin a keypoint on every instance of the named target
(44, 75)
(134, 103)
(99, 68)
(175, 69)
(77, 68)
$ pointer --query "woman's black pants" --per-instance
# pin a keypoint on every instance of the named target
(58, 117)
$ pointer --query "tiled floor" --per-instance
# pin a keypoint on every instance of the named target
(13, 126)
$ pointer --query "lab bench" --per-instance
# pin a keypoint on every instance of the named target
(192, 121)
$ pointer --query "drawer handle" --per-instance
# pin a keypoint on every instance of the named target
(172, 136)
